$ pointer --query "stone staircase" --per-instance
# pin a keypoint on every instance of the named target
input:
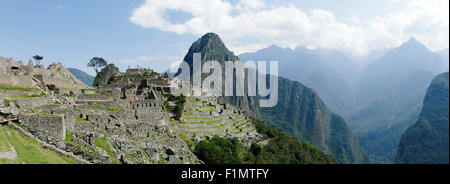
(38, 85)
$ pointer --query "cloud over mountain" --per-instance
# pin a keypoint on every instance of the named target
(251, 25)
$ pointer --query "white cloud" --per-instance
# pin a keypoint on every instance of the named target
(251, 24)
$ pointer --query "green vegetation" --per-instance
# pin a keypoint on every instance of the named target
(30, 96)
(101, 143)
(161, 160)
(44, 113)
(97, 63)
(28, 150)
(177, 110)
(81, 120)
(190, 142)
(296, 113)
(17, 88)
(280, 149)
(37, 59)
(69, 136)
(7, 102)
(427, 142)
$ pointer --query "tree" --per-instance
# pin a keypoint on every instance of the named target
(37, 59)
(97, 63)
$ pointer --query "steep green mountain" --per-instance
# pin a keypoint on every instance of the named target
(106, 75)
(427, 141)
(211, 47)
(83, 76)
(299, 111)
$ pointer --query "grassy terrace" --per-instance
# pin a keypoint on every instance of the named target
(17, 88)
(28, 150)
(203, 127)
(209, 110)
(204, 117)
(201, 132)
(30, 96)
(206, 122)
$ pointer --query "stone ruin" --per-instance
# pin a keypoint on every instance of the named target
(15, 73)
(129, 114)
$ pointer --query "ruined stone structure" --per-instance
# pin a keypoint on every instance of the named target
(126, 121)
(15, 73)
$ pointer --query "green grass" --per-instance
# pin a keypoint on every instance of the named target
(161, 160)
(17, 88)
(30, 96)
(161, 138)
(69, 136)
(29, 151)
(114, 110)
(7, 101)
(101, 143)
(44, 113)
(190, 142)
(204, 117)
(81, 120)
(4, 143)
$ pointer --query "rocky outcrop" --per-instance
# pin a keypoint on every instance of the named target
(106, 75)
(211, 48)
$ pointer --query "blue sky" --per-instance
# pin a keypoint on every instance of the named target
(155, 33)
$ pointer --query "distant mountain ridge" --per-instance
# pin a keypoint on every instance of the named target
(379, 99)
(82, 76)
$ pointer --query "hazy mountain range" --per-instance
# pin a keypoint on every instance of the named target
(379, 99)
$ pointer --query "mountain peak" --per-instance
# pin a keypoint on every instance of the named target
(412, 39)
(210, 36)
(412, 46)
(413, 43)
(212, 48)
